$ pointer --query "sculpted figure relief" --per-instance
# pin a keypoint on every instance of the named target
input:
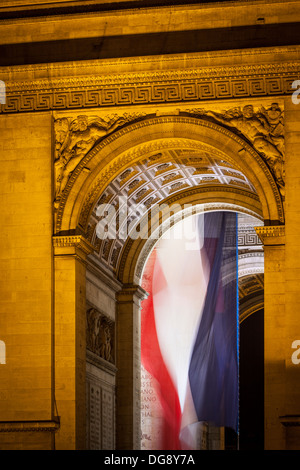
(100, 334)
(93, 327)
(73, 140)
(264, 129)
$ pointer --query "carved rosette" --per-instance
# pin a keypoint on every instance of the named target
(100, 333)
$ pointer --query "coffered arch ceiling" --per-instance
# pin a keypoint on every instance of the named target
(251, 295)
(147, 137)
(172, 175)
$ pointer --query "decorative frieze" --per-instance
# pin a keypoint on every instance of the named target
(181, 85)
(100, 410)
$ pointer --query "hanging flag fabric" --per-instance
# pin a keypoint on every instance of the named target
(154, 363)
(213, 371)
(188, 329)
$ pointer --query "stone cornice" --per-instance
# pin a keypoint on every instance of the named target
(106, 277)
(117, 4)
(96, 88)
(131, 156)
(271, 234)
(29, 426)
(260, 59)
(101, 363)
(150, 242)
(290, 420)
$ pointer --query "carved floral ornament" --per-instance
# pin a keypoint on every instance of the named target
(76, 138)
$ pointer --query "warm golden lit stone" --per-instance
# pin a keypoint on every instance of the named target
(177, 103)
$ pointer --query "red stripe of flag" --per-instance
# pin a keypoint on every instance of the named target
(153, 361)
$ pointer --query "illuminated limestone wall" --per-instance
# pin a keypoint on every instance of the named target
(43, 303)
(26, 298)
(281, 303)
(286, 325)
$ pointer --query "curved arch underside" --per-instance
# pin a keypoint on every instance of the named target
(171, 160)
(174, 141)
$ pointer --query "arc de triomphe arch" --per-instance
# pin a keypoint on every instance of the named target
(184, 122)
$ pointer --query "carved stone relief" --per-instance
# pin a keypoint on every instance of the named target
(100, 334)
(261, 128)
(75, 137)
(264, 128)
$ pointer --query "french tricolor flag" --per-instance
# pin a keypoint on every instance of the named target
(189, 330)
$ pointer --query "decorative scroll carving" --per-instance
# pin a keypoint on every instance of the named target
(263, 128)
(74, 138)
(100, 334)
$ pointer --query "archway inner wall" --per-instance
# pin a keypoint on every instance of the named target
(128, 307)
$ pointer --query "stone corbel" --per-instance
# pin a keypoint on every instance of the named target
(271, 234)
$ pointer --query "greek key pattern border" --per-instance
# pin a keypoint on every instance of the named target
(84, 92)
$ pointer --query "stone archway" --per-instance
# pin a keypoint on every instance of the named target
(99, 168)
(132, 142)
(250, 265)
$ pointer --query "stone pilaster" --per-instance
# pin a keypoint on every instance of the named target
(129, 367)
(273, 238)
(291, 417)
(69, 339)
